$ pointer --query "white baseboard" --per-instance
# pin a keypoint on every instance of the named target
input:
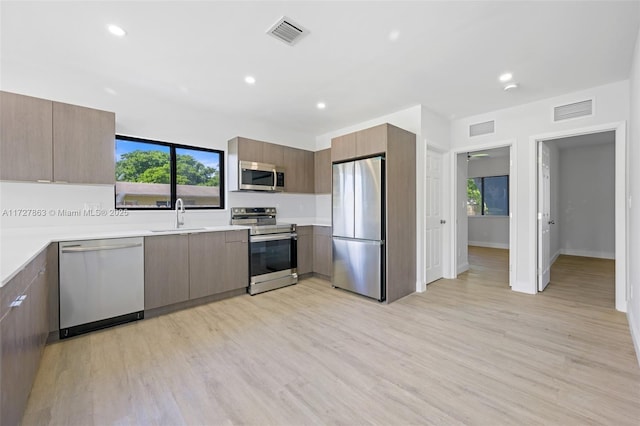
(463, 268)
(488, 244)
(635, 333)
(555, 257)
(589, 253)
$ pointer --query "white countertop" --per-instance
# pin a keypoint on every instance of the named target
(19, 246)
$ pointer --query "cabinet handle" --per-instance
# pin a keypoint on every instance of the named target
(18, 301)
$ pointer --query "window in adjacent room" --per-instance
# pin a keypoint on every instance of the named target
(488, 196)
(152, 175)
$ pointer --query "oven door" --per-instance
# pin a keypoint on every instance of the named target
(273, 257)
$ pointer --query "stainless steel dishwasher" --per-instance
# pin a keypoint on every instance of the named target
(101, 284)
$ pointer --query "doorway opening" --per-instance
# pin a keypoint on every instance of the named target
(484, 204)
(581, 217)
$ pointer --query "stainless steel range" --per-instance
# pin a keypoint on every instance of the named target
(273, 248)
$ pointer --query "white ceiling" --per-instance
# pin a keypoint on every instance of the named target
(196, 54)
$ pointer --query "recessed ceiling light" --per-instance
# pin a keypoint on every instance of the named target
(511, 86)
(394, 35)
(250, 80)
(321, 105)
(507, 76)
(117, 31)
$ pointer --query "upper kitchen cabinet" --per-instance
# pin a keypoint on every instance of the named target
(26, 141)
(343, 147)
(322, 171)
(246, 149)
(41, 140)
(363, 143)
(298, 166)
(273, 154)
(83, 144)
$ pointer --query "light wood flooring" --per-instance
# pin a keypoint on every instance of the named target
(467, 351)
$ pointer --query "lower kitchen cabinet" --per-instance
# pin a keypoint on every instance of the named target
(166, 270)
(23, 332)
(322, 251)
(218, 262)
(305, 249)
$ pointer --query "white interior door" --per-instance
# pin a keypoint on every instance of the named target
(544, 216)
(434, 220)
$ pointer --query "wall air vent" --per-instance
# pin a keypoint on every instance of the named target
(574, 110)
(287, 31)
(482, 128)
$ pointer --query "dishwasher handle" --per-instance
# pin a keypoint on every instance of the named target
(81, 249)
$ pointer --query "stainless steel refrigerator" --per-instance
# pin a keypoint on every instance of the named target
(358, 200)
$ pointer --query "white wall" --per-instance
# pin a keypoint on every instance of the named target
(633, 159)
(587, 201)
(488, 231)
(519, 124)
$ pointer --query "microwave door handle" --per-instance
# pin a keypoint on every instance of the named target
(275, 179)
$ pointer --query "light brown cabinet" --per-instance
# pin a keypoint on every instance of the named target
(343, 147)
(322, 171)
(26, 140)
(305, 249)
(218, 262)
(273, 154)
(298, 165)
(166, 270)
(247, 149)
(52, 141)
(399, 149)
(23, 333)
(322, 251)
(83, 144)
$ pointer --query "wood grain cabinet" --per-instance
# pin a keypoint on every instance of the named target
(41, 140)
(218, 262)
(343, 147)
(166, 270)
(23, 332)
(26, 140)
(322, 251)
(305, 249)
(298, 165)
(83, 144)
(322, 171)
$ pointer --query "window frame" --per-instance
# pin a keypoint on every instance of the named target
(174, 173)
(482, 214)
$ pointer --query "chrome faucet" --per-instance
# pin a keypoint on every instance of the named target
(179, 209)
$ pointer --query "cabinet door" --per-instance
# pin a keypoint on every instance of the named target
(237, 260)
(371, 141)
(273, 154)
(298, 165)
(343, 147)
(207, 261)
(250, 150)
(23, 332)
(83, 144)
(166, 270)
(322, 171)
(322, 251)
(26, 141)
(305, 249)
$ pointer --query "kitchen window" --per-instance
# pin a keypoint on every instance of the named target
(151, 175)
(488, 196)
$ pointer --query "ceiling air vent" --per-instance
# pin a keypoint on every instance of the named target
(574, 110)
(287, 31)
(482, 128)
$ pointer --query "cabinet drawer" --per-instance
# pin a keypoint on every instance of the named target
(236, 236)
(322, 230)
(304, 230)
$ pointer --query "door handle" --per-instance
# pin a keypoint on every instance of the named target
(552, 222)
(442, 221)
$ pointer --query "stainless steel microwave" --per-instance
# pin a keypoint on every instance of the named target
(254, 176)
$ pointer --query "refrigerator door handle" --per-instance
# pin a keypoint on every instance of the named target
(359, 240)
